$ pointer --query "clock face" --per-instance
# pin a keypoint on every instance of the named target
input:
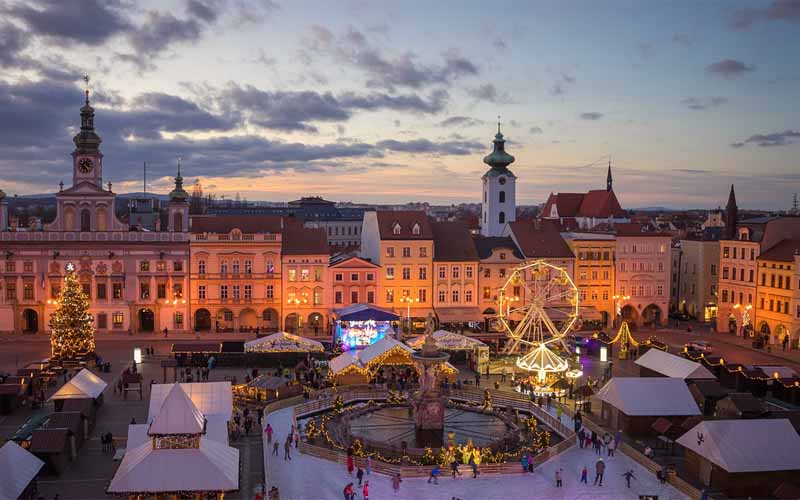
(501, 180)
(85, 165)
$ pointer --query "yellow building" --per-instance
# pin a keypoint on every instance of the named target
(304, 262)
(455, 277)
(401, 242)
(594, 275)
(777, 303)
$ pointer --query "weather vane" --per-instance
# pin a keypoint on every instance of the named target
(86, 79)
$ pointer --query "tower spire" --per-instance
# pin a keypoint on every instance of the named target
(731, 215)
(86, 79)
(609, 179)
(179, 194)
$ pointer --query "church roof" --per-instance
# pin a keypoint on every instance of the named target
(406, 219)
(598, 203)
(452, 242)
(540, 239)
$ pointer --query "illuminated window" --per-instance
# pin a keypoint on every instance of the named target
(292, 274)
(144, 266)
(117, 319)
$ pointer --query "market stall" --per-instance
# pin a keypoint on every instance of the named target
(474, 352)
(361, 325)
(18, 471)
(84, 385)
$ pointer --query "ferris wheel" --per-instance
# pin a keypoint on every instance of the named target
(538, 304)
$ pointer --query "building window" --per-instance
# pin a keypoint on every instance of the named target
(370, 297)
(442, 295)
(487, 293)
(27, 266)
(144, 266)
(201, 266)
(389, 296)
(338, 277)
(270, 267)
(370, 277)
(605, 294)
(337, 297)
(468, 272)
(11, 266)
(442, 272)
(11, 290)
(317, 274)
(270, 291)
(248, 292)
(423, 273)
(660, 290)
(116, 320)
(487, 272)
(455, 296)
(354, 297)
(236, 292)
(390, 251)
(101, 291)
(55, 291)
(144, 291)
(161, 266)
(605, 274)
(396, 229)
(223, 292)
(724, 273)
(117, 291)
(178, 320)
(501, 218)
(455, 271)
(177, 265)
(502, 196)
(27, 291)
(161, 291)
(468, 296)
(415, 230)
(406, 251)
(201, 292)
(353, 276)
(406, 273)
(223, 267)
(102, 321)
(87, 290)
(390, 273)
(248, 267)
(502, 273)
(423, 252)
(235, 267)
(726, 252)
(422, 295)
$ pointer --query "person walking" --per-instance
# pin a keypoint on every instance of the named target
(297, 439)
(628, 476)
(581, 437)
(610, 448)
(360, 475)
(454, 468)
(287, 448)
(348, 492)
(275, 448)
(369, 464)
(435, 472)
(585, 475)
(269, 431)
(525, 462)
(559, 411)
(599, 469)
(396, 480)
(559, 483)
(350, 464)
(365, 491)
(617, 438)
(474, 467)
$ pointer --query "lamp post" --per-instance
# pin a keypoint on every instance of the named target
(408, 301)
(618, 301)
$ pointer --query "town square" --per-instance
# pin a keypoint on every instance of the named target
(264, 250)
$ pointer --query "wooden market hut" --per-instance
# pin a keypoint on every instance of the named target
(55, 447)
(18, 471)
(84, 385)
(740, 405)
(741, 457)
(657, 363)
(266, 388)
(706, 394)
(75, 421)
(633, 404)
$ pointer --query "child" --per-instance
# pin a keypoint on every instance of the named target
(558, 478)
(585, 475)
(365, 491)
(434, 475)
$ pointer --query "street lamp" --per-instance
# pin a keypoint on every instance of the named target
(408, 301)
(508, 301)
(619, 299)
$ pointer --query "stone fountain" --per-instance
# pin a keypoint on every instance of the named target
(429, 403)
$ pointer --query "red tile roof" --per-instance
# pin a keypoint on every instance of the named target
(387, 219)
(248, 224)
(567, 204)
(783, 251)
(299, 240)
(635, 229)
(540, 240)
(452, 242)
(49, 440)
(595, 203)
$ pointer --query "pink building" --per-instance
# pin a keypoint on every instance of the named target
(642, 275)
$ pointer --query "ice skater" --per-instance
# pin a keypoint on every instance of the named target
(628, 476)
(287, 448)
(585, 475)
(599, 469)
(559, 482)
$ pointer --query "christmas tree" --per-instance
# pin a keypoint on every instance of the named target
(71, 323)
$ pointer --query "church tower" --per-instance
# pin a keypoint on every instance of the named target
(87, 160)
(178, 205)
(609, 179)
(499, 205)
(731, 216)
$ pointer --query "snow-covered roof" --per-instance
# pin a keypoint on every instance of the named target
(177, 415)
(448, 341)
(670, 365)
(283, 342)
(214, 466)
(210, 398)
(18, 467)
(84, 385)
(758, 445)
(649, 396)
(383, 345)
(342, 361)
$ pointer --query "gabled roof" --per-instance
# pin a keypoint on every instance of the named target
(383, 345)
(299, 240)
(450, 341)
(342, 361)
(362, 312)
(750, 445)
(567, 204)
(247, 224)
(745, 402)
(485, 245)
(72, 420)
(211, 398)
(406, 220)
(649, 396)
(177, 415)
(84, 384)
(540, 239)
(283, 342)
(452, 242)
(600, 203)
(353, 262)
(783, 251)
(49, 440)
(18, 467)
(670, 365)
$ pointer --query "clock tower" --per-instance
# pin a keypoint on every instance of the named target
(499, 206)
(87, 160)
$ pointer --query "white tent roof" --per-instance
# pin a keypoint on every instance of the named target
(342, 361)
(177, 415)
(673, 366)
(83, 385)
(759, 445)
(446, 340)
(649, 396)
(211, 398)
(283, 342)
(213, 466)
(137, 434)
(18, 467)
(373, 351)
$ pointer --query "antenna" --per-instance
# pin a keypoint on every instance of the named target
(145, 178)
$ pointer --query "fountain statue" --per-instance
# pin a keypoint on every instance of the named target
(428, 403)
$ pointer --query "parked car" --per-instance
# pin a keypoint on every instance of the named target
(699, 346)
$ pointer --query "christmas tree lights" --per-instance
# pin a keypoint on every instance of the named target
(71, 324)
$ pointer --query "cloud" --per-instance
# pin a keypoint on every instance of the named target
(499, 44)
(89, 22)
(702, 103)
(536, 130)
(682, 38)
(13, 41)
(460, 121)
(729, 68)
(382, 70)
(778, 10)
(591, 115)
(489, 93)
(425, 146)
(560, 85)
(784, 138)
(645, 49)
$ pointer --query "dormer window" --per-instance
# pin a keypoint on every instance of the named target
(415, 229)
(236, 234)
(396, 228)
